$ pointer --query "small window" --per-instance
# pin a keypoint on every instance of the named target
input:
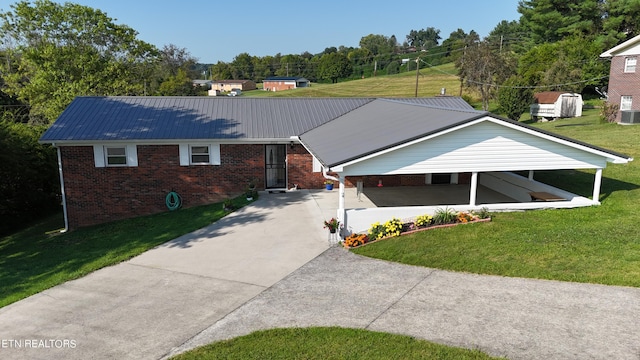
(626, 101)
(630, 64)
(116, 156)
(200, 155)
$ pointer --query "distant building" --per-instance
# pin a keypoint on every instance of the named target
(279, 83)
(552, 105)
(202, 83)
(227, 85)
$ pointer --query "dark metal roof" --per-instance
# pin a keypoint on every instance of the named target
(190, 117)
(382, 124)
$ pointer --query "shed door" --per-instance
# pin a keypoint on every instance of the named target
(568, 108)
(276, 166)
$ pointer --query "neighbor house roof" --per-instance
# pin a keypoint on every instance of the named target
(231, 81)
(283, 78)
(190, 117)
(635, 41)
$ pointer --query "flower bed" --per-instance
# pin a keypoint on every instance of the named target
(396, 227)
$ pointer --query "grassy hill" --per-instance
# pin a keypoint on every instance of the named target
(430, 82)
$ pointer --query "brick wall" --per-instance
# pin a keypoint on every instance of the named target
(621, 83)
(98, 195)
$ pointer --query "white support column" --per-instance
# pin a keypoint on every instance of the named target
(341, 210)
(474, 189)
(531, 175)
(597, 182)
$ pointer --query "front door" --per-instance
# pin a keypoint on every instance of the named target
(276, 166)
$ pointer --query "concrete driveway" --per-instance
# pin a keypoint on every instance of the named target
(142, 308)
(269, 265)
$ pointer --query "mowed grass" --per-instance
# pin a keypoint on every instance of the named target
(599, 244)
(40, 257)
(328, 343)
(430, 82)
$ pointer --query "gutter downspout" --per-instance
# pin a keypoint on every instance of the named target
(64, 197)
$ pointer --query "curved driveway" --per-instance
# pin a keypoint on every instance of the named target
(268, 265)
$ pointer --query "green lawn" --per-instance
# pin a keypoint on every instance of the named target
(599, 244)
(430, 81)
(40, 257)
(328, 343)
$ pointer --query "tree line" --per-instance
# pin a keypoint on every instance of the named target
(51, 53)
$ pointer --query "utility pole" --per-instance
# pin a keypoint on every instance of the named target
(417, 73)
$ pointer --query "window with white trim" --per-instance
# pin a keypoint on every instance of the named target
(630, 64)
(626, 101)
(199, 155)
(115, 155)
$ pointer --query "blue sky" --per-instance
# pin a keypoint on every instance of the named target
(215, 31)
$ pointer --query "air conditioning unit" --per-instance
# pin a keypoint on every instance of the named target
(630, 117)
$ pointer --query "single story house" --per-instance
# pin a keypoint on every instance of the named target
(120, 157)
(624, 82)
(553, 105)
(227, 85)
(279, 83)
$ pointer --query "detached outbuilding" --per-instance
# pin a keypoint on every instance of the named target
(551, 105)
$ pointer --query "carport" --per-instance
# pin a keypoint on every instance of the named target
(404, 139)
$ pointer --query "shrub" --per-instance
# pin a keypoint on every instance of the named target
(482, 213)
(444, 216)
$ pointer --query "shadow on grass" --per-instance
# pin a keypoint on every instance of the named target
(581, 183)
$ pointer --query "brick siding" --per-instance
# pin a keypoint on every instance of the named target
(621, 83)
(98, 195)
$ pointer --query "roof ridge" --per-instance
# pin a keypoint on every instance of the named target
(431, 106)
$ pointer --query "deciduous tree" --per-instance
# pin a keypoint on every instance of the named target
(63, 51)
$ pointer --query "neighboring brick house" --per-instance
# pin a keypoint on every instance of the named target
(279, 83)
(228, 85)
(624, 76)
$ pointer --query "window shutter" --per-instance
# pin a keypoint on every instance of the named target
(184, 154)
(214, 154)
(98, 155)
(132, 155)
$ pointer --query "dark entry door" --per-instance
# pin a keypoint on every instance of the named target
(276, 166)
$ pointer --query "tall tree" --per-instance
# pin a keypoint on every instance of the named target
(483, 69)
(63, 51)
(333, 67)
(424, 38)
(552, 20)
(377, 44)
(621, 21)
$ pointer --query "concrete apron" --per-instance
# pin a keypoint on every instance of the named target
(155, 302)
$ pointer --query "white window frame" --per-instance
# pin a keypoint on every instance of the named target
(111, 158)
(630, 64)
(101, 155)
(626, 102)
(186, 153)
